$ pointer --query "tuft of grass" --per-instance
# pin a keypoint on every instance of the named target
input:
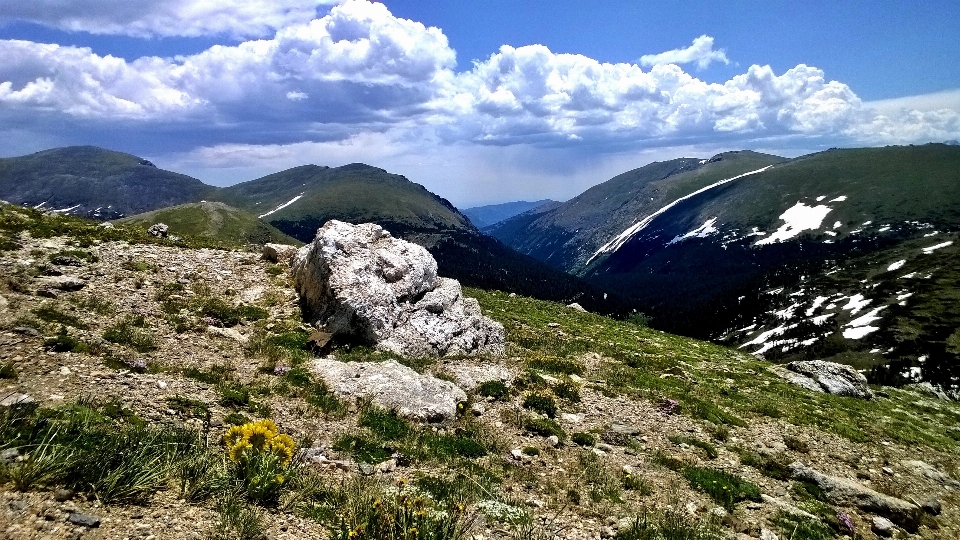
(8, 371)
(132, 331)
(795, 444)
(708, 448)
(801, 528)
(235, 419)
(214, 375)
(567, 391)
(51, 314)
(669, 524)
(544, 427)
(187, 406)
(544, 405)
(553, 364)
(637, 484)
(583, 438)
(599, 481)
(723, 487)
(773, 466)
(494, 389)
(238, 520)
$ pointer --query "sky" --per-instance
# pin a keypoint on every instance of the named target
(480, 101)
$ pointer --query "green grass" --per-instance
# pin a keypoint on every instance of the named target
(583, 438)
(723, 487)
(494, 389)
(132, 331)
(544, 405)
(707, 448)
(8, 371)
(53, 314)
(669, 524)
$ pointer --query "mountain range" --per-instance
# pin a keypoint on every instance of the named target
(489, 215)
(102, 184)
(849, 255)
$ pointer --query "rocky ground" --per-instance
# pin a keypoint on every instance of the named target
(148, 330)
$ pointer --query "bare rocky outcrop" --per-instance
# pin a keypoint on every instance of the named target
(160, 230)
(392, 386)
(279, 253)
(846, 491)
(359, 283)
(828, 377)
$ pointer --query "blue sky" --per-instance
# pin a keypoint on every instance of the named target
(480, 101)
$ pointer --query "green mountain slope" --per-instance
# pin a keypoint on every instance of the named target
(844, 254)
(567, 236)
(93, 182)
(213, 220)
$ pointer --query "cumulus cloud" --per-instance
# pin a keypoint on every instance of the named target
(359, 79)
(700, 52)
(235, 18)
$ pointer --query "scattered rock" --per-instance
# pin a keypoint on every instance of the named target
(160, 230)
(882, 526)
(66, 260)
(570, 418)
(553, 441)
(62, 495)
(928, 471)
(387, 466)
(767, 534)
(392, 386)
(828, 377)
(367, 469)
(850, 492)
(62, 283)
(470, 377)
(577, 307)
(27, 331)
(85, 520)
(360, 283)
(15, 399)
(932, 507)
(787, 507)
(9, 455)
(231, 333)
(279, 253)
(478, 409)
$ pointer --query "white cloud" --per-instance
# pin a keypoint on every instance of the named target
(146, 18)
(361, 82)
(700, 52)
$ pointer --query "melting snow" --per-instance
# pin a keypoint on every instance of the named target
(787, 312)
(837, 225)
(856, 303)
(65, 210)
(797, 219)
(820, 198)
(631, 231)
(885, 228)
(820, 319)
(817, 302)
(931, 249)
(282, 206)
(830, 233)
(934, 233)
(908, 276)
(859, 332)
(839, 199)
(702, 231)
(867, 318)
(896, 266)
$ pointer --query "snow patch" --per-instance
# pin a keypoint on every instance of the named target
(856, 303)
(908, 276)
(702, 231)
(859, 332)
(839, 199)
(817, 302)
(897, 265)
(631, 231)
(820, 319)
(65, 210)
(820, 198)
(282, 206)
(797, 219)
(931, 249)
(837, 225)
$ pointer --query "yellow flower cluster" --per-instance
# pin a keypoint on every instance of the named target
(258, 437)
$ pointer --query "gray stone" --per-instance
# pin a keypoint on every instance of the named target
(767, 534)
(359, 283)
(15, 399)
(9, 455)
(392, 386)
(26, 330)
(63, 283)
(553, 441)
(932, 507)
(160, 230)
(845, 491)
(85, 520)
(469, 377)
(882, 526)
(577, 307)
(928, 471)
(787, 507)
(279, 253)
(3, 304)
(832, 378)
(66, 260)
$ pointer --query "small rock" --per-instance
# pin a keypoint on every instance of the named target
(553, 325)
(720, 512)
(85, 520)
(627, 469)
(767, 534)
(62, 283)
(517, 454)
(882, 526)
(62, 495)
(478, 409)
(367, 469)
(932, 507)
(65, 371)
(9, 455)
(605, 447)
(162, 385)
(26, 330)
(279, 253)
(887, 471)
(577, 307)
(160, 230)
(15, 399)
(387, 466)
(553, 441)
(607, 532)
(66, 260)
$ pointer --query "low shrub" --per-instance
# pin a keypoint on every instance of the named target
(723, 487)
(583, 438)
(494, 389)
(708, 448)
(542, 404)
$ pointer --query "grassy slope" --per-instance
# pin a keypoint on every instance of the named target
(214, 221)
(712, 382)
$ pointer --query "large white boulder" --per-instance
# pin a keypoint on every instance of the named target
(358, 282)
